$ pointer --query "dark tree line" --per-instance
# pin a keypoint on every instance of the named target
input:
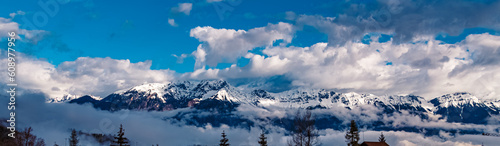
(22, 138)
(304, 134)
(352, 135)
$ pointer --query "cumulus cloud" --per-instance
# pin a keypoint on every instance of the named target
(426, 67)
(227, 45)
(7, 25)
(411, 62)
(94, 76)
(259, 66)
(183, 8)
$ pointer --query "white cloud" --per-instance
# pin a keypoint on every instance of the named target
(199, 55)
(258, 66)
(424, 67)
(172, 22)
(94, 76)
(183, 8)
(7, 25)
(227, 45)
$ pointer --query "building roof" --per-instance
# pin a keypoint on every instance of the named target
(368, 143)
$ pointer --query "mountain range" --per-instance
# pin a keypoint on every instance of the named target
(216, 102)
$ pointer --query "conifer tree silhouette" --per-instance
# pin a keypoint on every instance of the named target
(262, 139)
(73, 139)
(224, 140)
(120, 139)
(382, 137)
(352, 136)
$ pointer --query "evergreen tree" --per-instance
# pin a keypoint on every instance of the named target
(73, 139)
(55, 144)
(224, 140)
(120, 140)
(382, 137)
(352, 136)
(263, 139)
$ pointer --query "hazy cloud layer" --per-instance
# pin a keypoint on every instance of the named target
(53, 123)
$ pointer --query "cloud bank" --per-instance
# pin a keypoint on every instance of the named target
(425, 67)
(92, 76)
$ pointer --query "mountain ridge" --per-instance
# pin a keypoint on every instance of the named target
(216, 102)
(222, 90)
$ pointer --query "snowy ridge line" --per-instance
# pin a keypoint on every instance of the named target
(295, 98)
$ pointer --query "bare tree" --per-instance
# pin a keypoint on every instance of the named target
(304, 134)
(26, 138)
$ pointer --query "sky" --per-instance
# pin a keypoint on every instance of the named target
(427, 48)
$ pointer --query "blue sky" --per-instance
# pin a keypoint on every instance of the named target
(140, 31)
(369, 46)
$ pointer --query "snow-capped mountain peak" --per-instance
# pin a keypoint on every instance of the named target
(150, 90)
(456, 99)
(224, 96)
(68, 97)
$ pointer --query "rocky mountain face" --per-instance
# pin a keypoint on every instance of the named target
(165, 97)
(217, 102)
(464, 107)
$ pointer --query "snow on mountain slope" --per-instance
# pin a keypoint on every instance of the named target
(182, 94)
(67, 98)
(463, 107)
(150, 90)
(456, 99)
(217, 102)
